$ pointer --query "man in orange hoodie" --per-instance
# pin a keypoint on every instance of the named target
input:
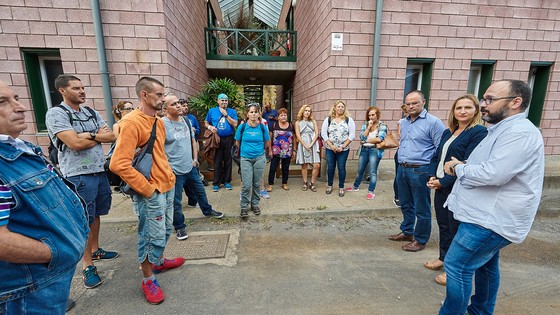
(153, 201)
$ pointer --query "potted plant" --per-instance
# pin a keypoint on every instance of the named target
(208, 95)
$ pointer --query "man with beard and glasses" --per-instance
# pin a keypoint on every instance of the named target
(495, 197)
(153, 200)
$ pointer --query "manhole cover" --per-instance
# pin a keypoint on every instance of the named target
(198, 246)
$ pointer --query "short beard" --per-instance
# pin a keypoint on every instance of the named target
(496, 117)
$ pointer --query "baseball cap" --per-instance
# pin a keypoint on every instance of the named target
(222, 97)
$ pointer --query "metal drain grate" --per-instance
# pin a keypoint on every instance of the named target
(198, 246)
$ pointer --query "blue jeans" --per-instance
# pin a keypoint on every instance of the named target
(155, 224)
(415, 201)
(96, 192)
(191, 181)
(334, 160)
(191, 197)
(251, 174)
(368, 155)
(48, 300)
(474, 251)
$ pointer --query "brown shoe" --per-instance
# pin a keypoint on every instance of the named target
(401, 237)
(413, 246)
(285, 187)
(269, 188)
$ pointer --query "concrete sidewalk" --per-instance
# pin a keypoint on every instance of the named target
(297, 201)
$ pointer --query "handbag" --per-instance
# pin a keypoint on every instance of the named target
(142, 161)
(388, 143)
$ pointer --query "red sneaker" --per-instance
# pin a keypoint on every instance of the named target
(168, 264)
(152, 291)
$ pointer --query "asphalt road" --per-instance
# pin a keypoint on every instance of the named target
(315, 265)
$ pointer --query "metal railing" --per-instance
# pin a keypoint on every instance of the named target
(250, 44)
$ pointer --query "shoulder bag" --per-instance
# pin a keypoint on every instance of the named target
(389, 142)
(142, 161)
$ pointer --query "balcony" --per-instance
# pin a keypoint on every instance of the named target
(251, 56)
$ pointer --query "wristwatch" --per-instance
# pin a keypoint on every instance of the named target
(92, 135)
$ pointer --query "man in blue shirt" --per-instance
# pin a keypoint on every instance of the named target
(222, 120)
(271, 115)
(495, 197)
(194, 122)
(420, 136)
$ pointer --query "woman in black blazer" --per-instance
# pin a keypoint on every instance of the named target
(464, 134)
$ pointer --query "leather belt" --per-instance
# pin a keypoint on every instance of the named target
(408, 165)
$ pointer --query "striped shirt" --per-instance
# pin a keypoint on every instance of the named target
(6, 202)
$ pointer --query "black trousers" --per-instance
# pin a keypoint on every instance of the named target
(274, 165)
(448, 226)
(222, 161)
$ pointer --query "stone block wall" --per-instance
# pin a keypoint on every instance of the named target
(514, 33)
(163, 39)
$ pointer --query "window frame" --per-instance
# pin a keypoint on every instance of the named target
(38, 83)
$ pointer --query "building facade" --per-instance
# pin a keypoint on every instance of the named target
(444, 48)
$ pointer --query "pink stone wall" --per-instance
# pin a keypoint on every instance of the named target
(185, 23)
(514, 33)
(163, 39)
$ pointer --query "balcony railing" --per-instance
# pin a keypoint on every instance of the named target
(249, 44)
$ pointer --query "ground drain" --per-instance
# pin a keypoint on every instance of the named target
(199, 246)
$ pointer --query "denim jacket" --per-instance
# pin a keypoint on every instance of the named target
(44, 208)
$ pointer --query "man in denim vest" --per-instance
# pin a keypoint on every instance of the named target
(78, 132)
(43, 226)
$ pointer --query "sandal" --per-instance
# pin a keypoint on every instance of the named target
(329, 190)
(341, 192)
(434, 265)
(441, 279)
(304, 188)
(312, 187)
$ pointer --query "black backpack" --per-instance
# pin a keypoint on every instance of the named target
(55, 147)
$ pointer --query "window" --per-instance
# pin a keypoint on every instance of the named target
(42, 67)
(418, 77)
(480, 77)
(539, 74)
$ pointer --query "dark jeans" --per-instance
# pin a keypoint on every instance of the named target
(447, 224)
(414, 196)
(191, 180)
(395, 186)
(334, 160)
(191, 197)
(274, 165)
(222, 161)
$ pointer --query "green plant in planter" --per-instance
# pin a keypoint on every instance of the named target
(208, 96)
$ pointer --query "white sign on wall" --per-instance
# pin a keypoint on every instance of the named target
(336, 41)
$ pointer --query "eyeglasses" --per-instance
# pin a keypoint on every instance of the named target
(489, 100)
(412, 103)
(128, 108)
